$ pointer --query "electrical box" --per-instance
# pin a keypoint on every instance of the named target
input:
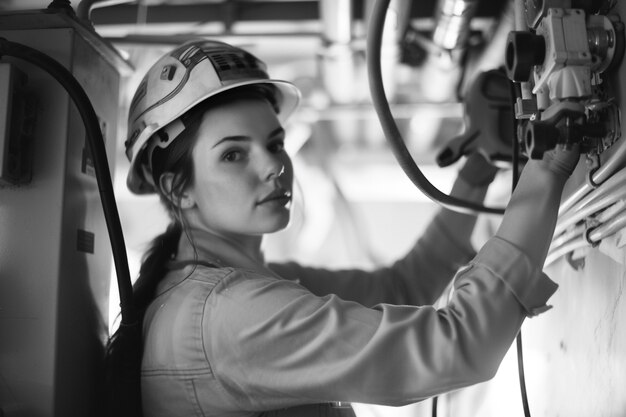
(55, 254)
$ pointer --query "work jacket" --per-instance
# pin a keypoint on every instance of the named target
(292, 340)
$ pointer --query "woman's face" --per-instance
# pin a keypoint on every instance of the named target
(242, 175)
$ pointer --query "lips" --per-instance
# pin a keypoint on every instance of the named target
(280, 196)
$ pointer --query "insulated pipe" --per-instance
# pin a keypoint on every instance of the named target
(617, 180)
(567, 236)
(598, 204)
(565, 249)
(615, 161)
(608, 228)
(594, 236)
(601, 217)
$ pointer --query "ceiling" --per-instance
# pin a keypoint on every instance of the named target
(321, 47)
(330, 33)
(338, 146)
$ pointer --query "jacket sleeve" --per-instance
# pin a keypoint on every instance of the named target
(418, 278)
(272, 343)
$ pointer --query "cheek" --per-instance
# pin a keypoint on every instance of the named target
(219, 191)
(220, 204)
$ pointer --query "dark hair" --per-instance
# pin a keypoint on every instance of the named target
(124, 349)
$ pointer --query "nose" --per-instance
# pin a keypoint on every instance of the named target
(274, 167)
(276, 171)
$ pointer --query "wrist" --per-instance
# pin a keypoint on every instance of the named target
(477, 171)
(544, 171)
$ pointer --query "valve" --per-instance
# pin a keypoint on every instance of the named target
(489, 121)
(539, 137)
(524, 50)
(563, 58)
(537, 9)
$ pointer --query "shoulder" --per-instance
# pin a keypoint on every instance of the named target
(234, 282)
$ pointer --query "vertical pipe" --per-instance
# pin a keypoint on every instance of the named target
(453, 22)
(336, 16)
(521, 26)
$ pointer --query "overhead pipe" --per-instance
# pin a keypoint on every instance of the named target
(448, 46)
(336, 19)
(453, 23)
(342, 55)
(83, 11)
(336, 58)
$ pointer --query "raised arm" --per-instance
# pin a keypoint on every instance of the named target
(422, 274)
(531, 215)
(389, 354)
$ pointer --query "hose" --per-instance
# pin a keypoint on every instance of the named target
(598, 204)
(567, 236)
(589, 237)
(616, 181)
(390, 129)
(101, 166)
(579, 211)
(615, 162)
(609, 222)
(565, 249)
(609, 186)
(609, 228)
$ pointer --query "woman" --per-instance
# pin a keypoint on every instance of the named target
(226, 334)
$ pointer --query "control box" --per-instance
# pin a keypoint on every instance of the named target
(55, 254)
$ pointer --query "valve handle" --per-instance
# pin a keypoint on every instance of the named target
(540, 137)
(524, 50)
(489, 121)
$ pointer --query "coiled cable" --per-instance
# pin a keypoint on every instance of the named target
(390, 129)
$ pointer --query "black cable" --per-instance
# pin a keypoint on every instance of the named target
(515, 178)
(391, 131)
(374, 42)
(434, 409)
(95, 143)
(522, 378)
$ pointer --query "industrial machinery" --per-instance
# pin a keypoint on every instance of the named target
(563, 57)
(55, 268)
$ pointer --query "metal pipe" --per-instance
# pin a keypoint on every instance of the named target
(521, 26)
(453, 23)
(84, 8)
(336, 17)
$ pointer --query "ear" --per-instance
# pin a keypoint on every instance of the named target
(183, 201)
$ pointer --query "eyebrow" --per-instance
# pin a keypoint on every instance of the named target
(241, 138)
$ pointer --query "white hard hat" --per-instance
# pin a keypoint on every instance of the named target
(176, 83)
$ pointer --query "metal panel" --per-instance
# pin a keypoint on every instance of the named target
(30, 238)
(55, 263)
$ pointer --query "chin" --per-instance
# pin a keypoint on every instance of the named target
(278, 224)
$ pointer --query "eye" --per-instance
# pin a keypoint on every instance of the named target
(276, 146)
(233, 155)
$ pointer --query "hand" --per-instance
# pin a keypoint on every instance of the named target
(477, 170)
(561, 161)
